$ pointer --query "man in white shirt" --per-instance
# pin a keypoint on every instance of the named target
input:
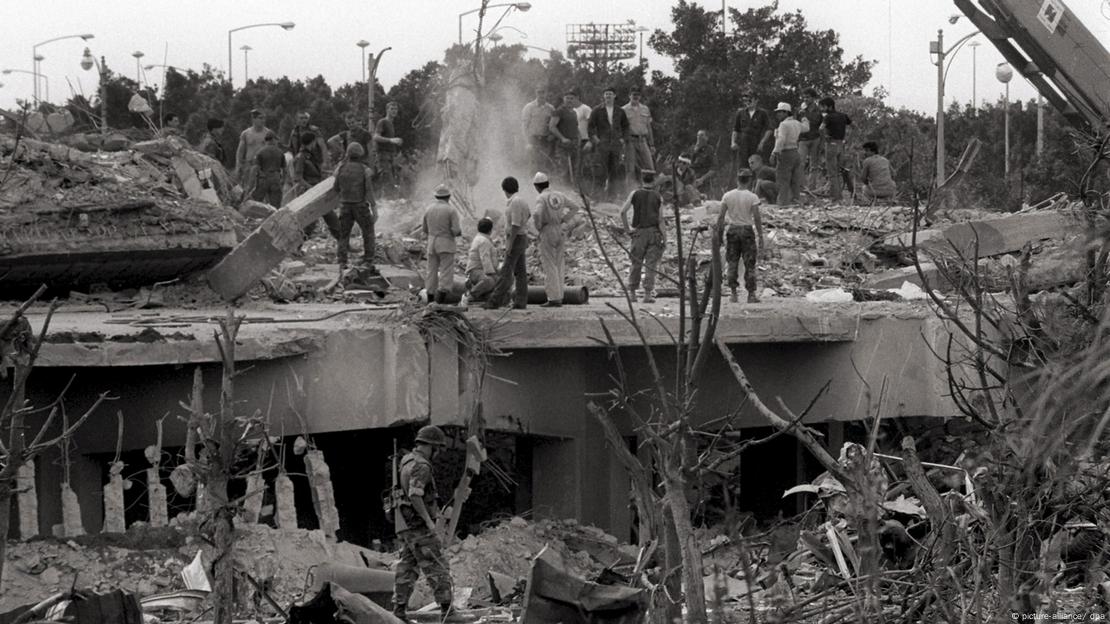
(533, 124)
(481, 269)
(789, 168)
(741, 208)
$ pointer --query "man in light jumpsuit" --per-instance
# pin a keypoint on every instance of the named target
(550, 208)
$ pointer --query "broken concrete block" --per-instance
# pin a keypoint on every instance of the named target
(268, 245)
(987, 237)
(294, 268)
(256, 210)
(323, 495)
(156, 499)
(286, 509)
(27, 500)
(192, 184)
(252, 502)
(113, 501)
(71, 513)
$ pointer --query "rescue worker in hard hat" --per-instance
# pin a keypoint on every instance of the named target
(354, 185)
(415, 522)
(551, 207)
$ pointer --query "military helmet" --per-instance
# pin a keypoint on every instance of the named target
(431, 434)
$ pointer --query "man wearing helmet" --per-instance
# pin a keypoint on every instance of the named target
(356, 204)
(415, 521)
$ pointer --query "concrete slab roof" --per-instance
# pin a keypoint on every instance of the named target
(82, 336)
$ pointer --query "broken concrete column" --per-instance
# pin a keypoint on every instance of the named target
(27, 500)
(71, 513)
(156, 498)
(323, 496)
(252, 503)
(286, 509)
(202, 498)
(113, 501)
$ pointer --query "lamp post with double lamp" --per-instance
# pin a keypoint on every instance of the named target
(36, 58)
(88, 61)
(362, 45)
(246, 68)
(1005, 73)
(8, 72)
(937, 48)
(519, 6)
(283, 25)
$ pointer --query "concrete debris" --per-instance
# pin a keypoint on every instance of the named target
(323, 495)
(71, 514)
(27, 500)
(113, 500)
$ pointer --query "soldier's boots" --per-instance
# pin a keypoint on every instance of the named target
(399, 613)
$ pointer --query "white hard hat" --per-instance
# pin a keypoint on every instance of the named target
(784, 107)
(539, 178)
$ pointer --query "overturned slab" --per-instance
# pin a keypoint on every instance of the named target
(1058, 267)
(275, 239)
(988, 237)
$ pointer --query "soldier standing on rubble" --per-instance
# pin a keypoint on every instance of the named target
(353, 184)
(269, 163)
(785, 157)
(648, 240)
(441, 226)
(307, 173)
(354, 133)
(641, 141)
(318, 148)
(836, 125)
(751, 130)
(744, 222)
(389, 145)
(250, 141)
(415, 522)
(514, 267)
(550, 208)
(563, 125)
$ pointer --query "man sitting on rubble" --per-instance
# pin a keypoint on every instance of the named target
(481, 269)
(876, 176)
(742, 216)
(354, 185)
(686, 190)
(415, 523)
(766, 185)
(269, 163)
(441, 226)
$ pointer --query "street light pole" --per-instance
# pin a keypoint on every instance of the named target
(283, 25)
(940, 106)
(246, 69)
(138, 67)
(1004, 73)
(974, 75)
(88, 61)
(362, 55)
(370, 89)
(36, 58)
(34, 76)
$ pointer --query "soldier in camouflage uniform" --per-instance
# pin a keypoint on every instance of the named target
(414, 520)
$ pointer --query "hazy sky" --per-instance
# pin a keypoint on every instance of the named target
(188, 33)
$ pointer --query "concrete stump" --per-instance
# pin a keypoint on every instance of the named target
(156, 499)
(286, 509)
(71, 513)
(323, 496)
(252, 503)
(27, 501)
(113, 501)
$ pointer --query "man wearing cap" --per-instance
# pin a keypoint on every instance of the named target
(641, 142)
(514, 268)
(269, 164)
(534, 120)
(563, 125)
(481, 270)
(250, 141)
(648, 239)
(550, 208)
(608, 128)
(415, 509)
(354, 185)
(685, 182)
(751, 130)
(441, 226)
(785, 156)
(741, 215)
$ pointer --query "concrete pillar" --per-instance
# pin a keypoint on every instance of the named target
(71, 514)
(323, 495)
(156, 498)
(27, 501)
(252, 503)
(113, 501)
(286, 509)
